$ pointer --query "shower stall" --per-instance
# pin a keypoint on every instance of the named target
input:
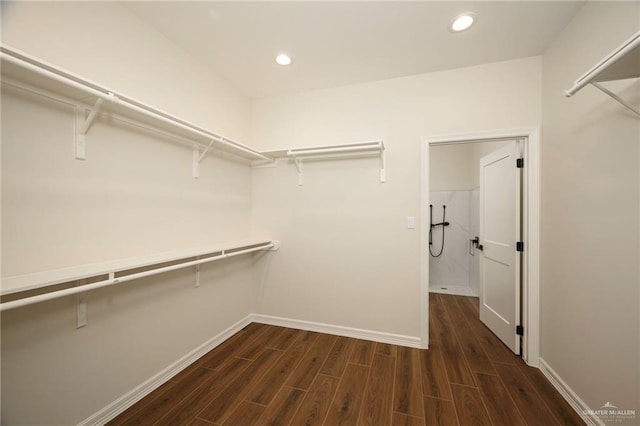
(453, 264)
(454, 173)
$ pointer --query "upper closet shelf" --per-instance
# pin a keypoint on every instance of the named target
(622, 63)
(26, 72)
(298, 155)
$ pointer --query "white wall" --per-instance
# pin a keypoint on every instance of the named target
(106, 43)
(590, 209)
(450, 168)
(456, 167)
(134, 195)
(348, 257)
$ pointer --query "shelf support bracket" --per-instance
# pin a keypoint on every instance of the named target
(198, 157)
(298, 162)
(197, 276)
(383, 165)
(628, 105)
(82, 127)
(81, 306)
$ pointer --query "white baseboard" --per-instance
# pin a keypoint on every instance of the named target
(121, 404)
(572, 398)
(376, 336)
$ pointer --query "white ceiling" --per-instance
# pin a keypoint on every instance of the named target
(339, 43)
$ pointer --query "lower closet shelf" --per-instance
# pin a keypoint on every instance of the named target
(89, 277)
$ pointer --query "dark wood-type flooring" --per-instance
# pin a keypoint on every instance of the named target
(266, 375)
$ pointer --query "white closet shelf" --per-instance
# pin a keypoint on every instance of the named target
(621, 64)
(352, 150)
(24, 71)
(119, 271)
(90, 99)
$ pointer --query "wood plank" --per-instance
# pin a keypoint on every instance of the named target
(316, 404)
(468, 312)
(457, 318)
(247, 413)
(502, 410)
(252, 349)
(181, 375)
(362, 352)
(477, 359)
(309, 336)
(283, 408)
(267, 388)
(407, 395)
(443, 327)
(434, 376)
(345, 408)
(438, 412)
(161, 404)
(230, 347)
(454, 362)
(493, 347)
(143, 404)
(474, 304)
(525, 397)
(199, 422)
(217, 381)
(469, 406)
(312, 361)
(284, 339)
(386, 349)
(399, 419)
(226, 402)
(437, 318)
(554, 401)
(336, 361)
(378, 396)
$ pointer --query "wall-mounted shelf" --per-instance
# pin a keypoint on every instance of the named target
(361, 149)
(90, 99)
(623, 63)
(104, 274)
(25, 72)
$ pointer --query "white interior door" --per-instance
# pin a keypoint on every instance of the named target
(499, 233)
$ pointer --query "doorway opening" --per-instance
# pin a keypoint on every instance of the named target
(452, 210)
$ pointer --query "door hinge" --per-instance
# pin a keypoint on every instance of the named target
(519, 246)
(519, 330)
(520, 163)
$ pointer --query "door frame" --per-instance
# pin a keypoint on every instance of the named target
(530, 229)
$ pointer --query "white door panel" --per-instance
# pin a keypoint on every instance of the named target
(499, 232)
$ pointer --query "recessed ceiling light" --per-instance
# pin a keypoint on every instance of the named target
(462, 22)
(283, 59)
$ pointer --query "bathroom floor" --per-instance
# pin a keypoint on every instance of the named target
(456, 290)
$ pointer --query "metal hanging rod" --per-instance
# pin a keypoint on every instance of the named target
(72, 81)
(337, 149)
(112, 280)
